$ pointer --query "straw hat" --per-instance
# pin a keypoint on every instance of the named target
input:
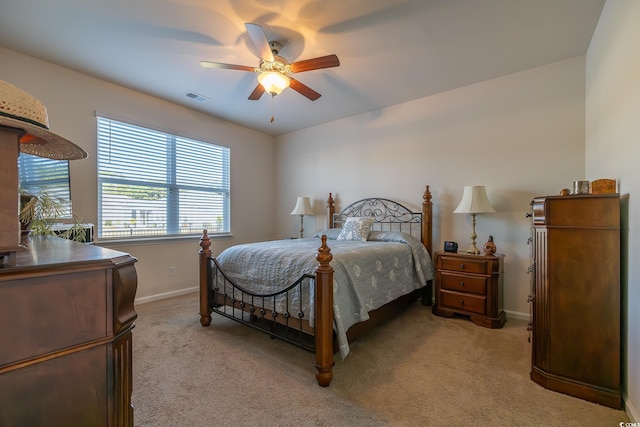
(20, 110)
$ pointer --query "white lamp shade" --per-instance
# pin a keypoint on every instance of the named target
(303, 207)
(273, 82)
(474, 200)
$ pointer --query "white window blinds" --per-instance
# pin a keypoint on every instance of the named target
(39, 175)
(154, 184)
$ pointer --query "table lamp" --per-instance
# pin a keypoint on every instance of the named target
(302, 208)
(474, 201)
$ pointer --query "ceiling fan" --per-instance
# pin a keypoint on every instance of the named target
(274, 71)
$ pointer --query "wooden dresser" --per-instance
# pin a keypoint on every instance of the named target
(67, 312)
(470, 285)
(575, 270)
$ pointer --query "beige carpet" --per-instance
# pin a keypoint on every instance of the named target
(418, 370)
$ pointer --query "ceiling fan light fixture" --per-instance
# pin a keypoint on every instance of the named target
(273, 82)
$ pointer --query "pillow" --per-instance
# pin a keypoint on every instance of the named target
(392, 236)
(356, 228)
(331, 233)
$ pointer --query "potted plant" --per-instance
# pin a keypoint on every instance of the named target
(40, 213)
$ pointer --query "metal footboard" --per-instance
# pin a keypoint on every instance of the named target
(283, 314)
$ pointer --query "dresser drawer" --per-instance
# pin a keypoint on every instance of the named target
(478, 266)
(462, 283)
(49, 315)
(466, 302)
(62, 391)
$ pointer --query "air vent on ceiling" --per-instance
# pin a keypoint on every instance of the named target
(196, 97)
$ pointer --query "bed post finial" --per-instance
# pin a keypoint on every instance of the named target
(427, 195)
(324, 315)
(330, 211)
(324, 256)
(205, 243)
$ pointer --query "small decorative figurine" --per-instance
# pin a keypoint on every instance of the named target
(490, 247)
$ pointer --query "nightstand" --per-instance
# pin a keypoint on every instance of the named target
(470, 285)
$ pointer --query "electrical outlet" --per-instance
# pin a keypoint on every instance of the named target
(172, 271)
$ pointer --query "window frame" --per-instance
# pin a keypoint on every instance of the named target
(184, 177)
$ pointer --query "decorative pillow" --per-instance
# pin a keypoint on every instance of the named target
(356, 228)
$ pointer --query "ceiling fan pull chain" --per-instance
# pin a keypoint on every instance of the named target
(273, 112)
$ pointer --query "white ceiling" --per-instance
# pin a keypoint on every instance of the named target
(391, 51)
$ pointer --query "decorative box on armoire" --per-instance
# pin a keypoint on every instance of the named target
(576, 296)
(66, 315)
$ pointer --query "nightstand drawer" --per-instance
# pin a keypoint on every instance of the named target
(462, 283)
(471, 303)
(478, 266)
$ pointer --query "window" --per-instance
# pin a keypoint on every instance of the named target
(40, 174)
(154, 184)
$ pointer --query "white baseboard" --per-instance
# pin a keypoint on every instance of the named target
(510, 314)
(166, 295)
(143, 300)
(516, 315)
(630, 410)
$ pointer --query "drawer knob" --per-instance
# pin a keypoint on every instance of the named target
(461, 302)
(461, 284)
(461, 265)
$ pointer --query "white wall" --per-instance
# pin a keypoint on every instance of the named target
(521, 136)
(72, 100)
(613, 150)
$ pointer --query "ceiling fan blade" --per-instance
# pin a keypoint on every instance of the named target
(208, 64)
(303, 89)
(259, 38)
(257, 93)
(315, 63)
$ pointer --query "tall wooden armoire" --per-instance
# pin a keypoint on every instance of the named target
(576, 296)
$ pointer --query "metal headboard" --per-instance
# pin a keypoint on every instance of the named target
(388, 216)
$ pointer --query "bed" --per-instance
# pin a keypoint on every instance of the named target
(322, 293)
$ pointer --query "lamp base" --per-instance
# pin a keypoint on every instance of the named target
(301, 228)
(472, 249)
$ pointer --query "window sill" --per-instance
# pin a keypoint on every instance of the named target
(139, 241)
